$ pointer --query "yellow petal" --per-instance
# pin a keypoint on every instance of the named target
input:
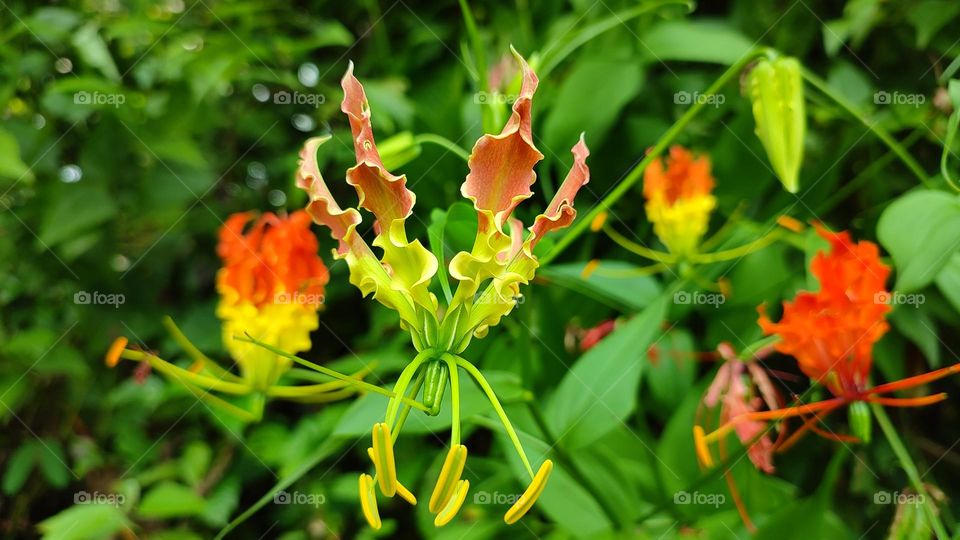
(368, 501)
(453, 505)
(530, 496)
(383, 459)
(449, 476)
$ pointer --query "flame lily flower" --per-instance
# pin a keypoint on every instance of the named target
(678, 190)
(271, 287)
(489, 276)
(831, 333)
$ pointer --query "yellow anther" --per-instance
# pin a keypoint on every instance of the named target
(401, 491)
(405, 494)
(726, 289)
(449, 476)
(590, 268)
(368, 501)
(790, 223)
(598, 222)
(700, 444)
(530, 496)
(453, 505)
(115, 350)
(383, 459)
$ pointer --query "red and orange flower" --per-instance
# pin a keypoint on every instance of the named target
(679, 201)
(271, 287)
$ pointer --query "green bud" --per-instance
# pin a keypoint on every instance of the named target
(861, 422)
(434, 384)
(776, 90)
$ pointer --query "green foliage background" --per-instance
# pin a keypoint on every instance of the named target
(126, 199)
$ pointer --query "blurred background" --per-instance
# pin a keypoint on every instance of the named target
(130, 130)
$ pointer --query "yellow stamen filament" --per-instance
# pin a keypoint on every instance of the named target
(113, 353)
(383, 459)
(453, 505)
(449, 476)
(530, 496)
(598, 222)
(368, 501)
(700, 443)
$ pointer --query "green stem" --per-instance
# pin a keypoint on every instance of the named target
(492, 396)
(195, 353)
(909, 467)
(737, 252)
(185, 376)
(570, 465)
(867, 174)
(327, 371)
(442, 142)
(402, 382)
(454, 400)
(637, 249)
(636, 173)
(881, 133)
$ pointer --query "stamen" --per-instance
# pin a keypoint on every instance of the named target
(453, 505)
(530, 496)
(116, 349)
(405, 494)
(590, 268)
(790, 223)
(449, 477)
(383, 459)
(700, 443)
(368, 501)
(598, 222)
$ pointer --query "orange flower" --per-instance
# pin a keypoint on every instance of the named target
(679, 202)
(277, 256)
(831, 332)
(271, 286)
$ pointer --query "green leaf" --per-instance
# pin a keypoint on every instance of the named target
(12, 166)
(948, 280)
(929, 16)
(93, 50)
(53, 463)
(75, 209)
(601, 389)
(19, 466)
(615, 283)
(584, 106)
(919, 328)
(85, 522)
(920, 231)
(696, 41)
(169, 500)
(195, 462)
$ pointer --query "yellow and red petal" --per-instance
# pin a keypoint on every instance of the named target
(322, 207)
(380, 191)
(501, 166)
(560, 212)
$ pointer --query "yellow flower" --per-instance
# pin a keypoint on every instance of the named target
(679, 202)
